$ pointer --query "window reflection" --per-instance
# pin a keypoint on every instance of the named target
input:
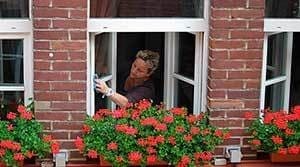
(14, 8)
(184, 95)
(146, 8)
(282, 8)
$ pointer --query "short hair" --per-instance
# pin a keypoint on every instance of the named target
(150, 57)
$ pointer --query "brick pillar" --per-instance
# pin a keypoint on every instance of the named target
(60, 59)
(235, 61)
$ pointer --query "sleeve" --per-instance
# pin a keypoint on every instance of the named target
(140, 93)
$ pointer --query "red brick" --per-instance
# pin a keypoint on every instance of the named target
(44, 55)
(228, 24)
(51, 76)
(60, 135)
(229, 3)
(74, 134)
(78, 75)
(245, 54)
(52, 116)
(256, 4)
(41, 85)
(238, 132)
(225, 84)
(246, 34)
(227, 44)
(78, 116)
(220, 14)
(41, 23)
(78, 35)
(250, 84)
(244, 74)
(67, 145)
(219, 151)
(41, 65)
(68, 45)
(78, 14)
(259, 24)
(255, 44)
(69, 106)
(253, 64)
(67, 86)
(46, 125)
(248, 94)
(226, 104)
(217, 114)
(78, 96)
(41, 45)
(254, 103)
(216, 94)
(41, 3)
(217, 74)
(69, 66)
(227, 123)
(67, 125)
(218, 54)
(232, 141)
(78, 56)
(226, 64)
(69, 24)
(70, 3)
(247, 13)
(220, 33)
(50, 13)
(51, 96)
(51, 35)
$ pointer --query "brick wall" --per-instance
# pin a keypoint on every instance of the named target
(234, 71)
(60, 54)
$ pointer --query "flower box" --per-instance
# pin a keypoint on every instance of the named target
(104, 163)
(275, 157)
(20, 164)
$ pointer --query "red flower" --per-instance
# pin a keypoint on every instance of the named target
(142, 142)
(2, 152)
(119, 158)
(293, 150)
(248, 115)
(218, 133)
(135, 156)
(143, 104)
(161, 127)
(195, 130)
(29, 154)
(180, 129)
(112, 146)
(191, 119)
(172, 140)
(79, 144)
(281, 123)
(256, 142)
(21, 109)
(188, 137)
(120, 113)
(276, 139)
(168, 119)
(47, 138)
(178, 111)
(289, 131)
(18, 156)
(11, 115)
(151, 150)
(151, 121)
(92, 154)
(151, 158)
(159, 139)
(26, 115)
(86, 128)
(10, 127)
(185, 159)
(54, 147)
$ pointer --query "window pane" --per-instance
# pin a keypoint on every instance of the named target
(103, 54)
(276, 55)
(184, 95)
(11, 61)
(282, 8)
(146, 8)
(185, 55)
(274, 97)
(14, 8)
(9, 101)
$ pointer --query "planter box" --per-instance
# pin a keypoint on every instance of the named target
(104, 163)
(284, 158)
(20, 164)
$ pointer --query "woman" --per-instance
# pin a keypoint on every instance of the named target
(138, 84)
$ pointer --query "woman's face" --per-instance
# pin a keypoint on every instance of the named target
(139, 69)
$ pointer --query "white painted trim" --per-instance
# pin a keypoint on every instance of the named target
(114, 48)
(275, 80)
(90, 72)
(289, 49)
(147, 25)
(185, 79)
(15, 26)
(168, 82)
(282, 25)
(263, 74)
(12, 88)
(197, 73)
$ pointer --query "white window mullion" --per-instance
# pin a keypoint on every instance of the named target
(263, 74)
(28, 68)
(198, 73)
(275, 80)
(91, 72)
(114, 36)
(288, 70)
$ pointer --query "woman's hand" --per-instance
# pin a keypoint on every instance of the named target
(101, 86)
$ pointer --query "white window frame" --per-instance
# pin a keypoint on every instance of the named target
(21, 29)
(197, 26)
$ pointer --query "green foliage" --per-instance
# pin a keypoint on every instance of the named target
(149, 133)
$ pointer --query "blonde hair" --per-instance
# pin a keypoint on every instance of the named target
(150, 57)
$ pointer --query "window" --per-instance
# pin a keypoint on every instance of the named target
(280, 83)
(180, 36)
(15, 53)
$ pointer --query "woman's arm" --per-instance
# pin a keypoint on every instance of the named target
(117, 98)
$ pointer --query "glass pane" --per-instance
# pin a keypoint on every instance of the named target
(146, 8)
(274, 96)
(185, 55)
(11, 61)
(184, 95)
(295, 71)
(282, 8)
(14, 8)
(9, 102)
(103, 54)
(276, 60)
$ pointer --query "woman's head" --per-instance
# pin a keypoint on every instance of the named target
(145, 64)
